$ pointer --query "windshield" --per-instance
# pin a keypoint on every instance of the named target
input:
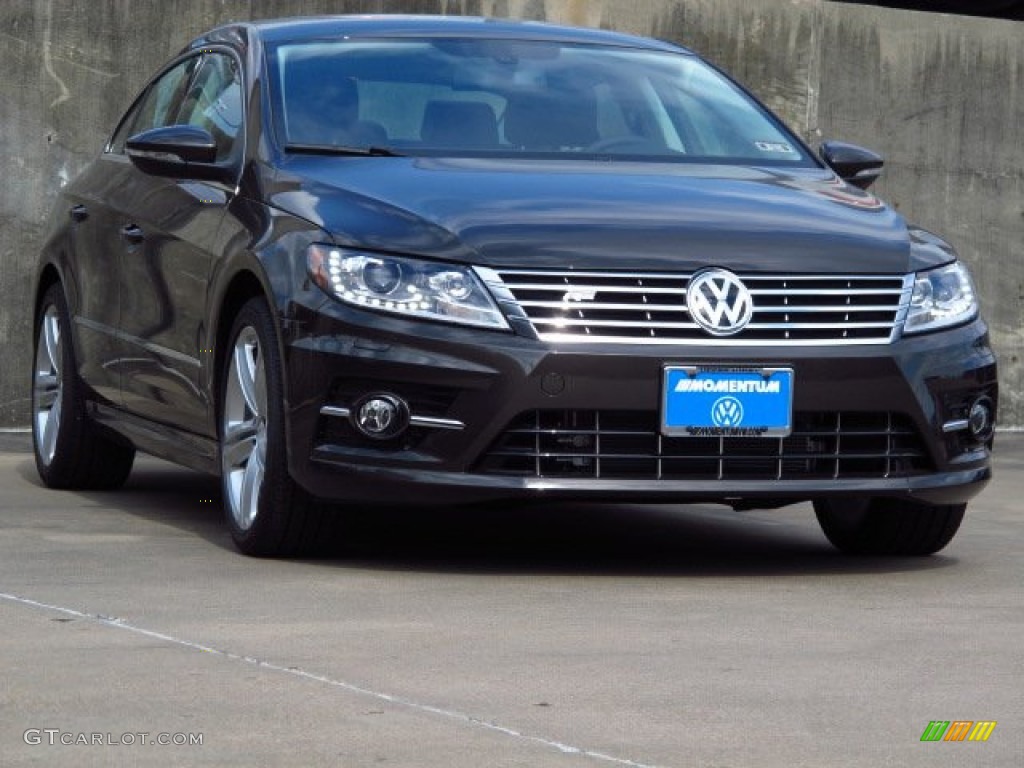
(510, 98)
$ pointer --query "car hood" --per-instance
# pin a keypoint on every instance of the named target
(582, 214)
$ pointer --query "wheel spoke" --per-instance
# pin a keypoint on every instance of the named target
(245, 371)
(250, 496)
(51, 331)
(239, 444)
(47, 390)
(260, 389)
(50, 432)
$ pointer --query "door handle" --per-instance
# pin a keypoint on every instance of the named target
(79, 213)
(132, 234)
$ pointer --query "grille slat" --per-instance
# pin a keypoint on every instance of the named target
(569, 321)
(755, 326)
(609, 287)
(822, 445)
(829, 308)
(815, 291)
(606, 306)
(620, 307)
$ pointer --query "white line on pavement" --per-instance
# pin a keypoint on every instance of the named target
(110, 621)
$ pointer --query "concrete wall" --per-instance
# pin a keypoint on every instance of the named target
(939, 96)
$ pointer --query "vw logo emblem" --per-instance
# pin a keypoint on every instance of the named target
(727, 412)
(718, 302)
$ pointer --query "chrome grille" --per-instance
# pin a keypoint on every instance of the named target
(631, 307)
(627, 445)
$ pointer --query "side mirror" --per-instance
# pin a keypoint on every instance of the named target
(175, 150)
(854, 165)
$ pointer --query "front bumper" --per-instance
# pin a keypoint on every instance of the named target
(489, 381)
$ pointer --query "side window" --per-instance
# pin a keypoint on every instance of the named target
(159, 105)
(214, 102)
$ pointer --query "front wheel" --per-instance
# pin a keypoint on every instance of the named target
(888, 526)
(267, 513)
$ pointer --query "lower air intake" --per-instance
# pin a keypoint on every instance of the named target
(628, 445)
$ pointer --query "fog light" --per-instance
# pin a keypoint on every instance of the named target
(380, 416)
(980, 420)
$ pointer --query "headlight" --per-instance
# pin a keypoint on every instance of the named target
(942, 297)
(404, 286)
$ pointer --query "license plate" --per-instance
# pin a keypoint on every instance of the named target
(727, 402)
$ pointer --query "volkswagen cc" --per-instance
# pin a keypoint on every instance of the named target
(346, 261)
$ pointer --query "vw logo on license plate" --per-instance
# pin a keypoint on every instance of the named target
(727, 412)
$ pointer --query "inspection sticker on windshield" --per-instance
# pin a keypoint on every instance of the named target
(774, 146)
(698, 401)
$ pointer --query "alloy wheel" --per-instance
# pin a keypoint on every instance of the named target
(48, 386)
(244, 448)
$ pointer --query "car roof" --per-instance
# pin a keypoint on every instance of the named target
(388, 25)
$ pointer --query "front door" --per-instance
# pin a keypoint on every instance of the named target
(168, 235)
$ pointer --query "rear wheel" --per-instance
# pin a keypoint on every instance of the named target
(69, 451)
(267, 513)
(888, 526)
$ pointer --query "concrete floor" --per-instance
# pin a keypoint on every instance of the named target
(580, 635)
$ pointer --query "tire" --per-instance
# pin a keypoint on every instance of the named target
(268, 514)
(69, 450)
(888, 526)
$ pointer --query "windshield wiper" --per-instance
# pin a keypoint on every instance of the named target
(333, 149)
